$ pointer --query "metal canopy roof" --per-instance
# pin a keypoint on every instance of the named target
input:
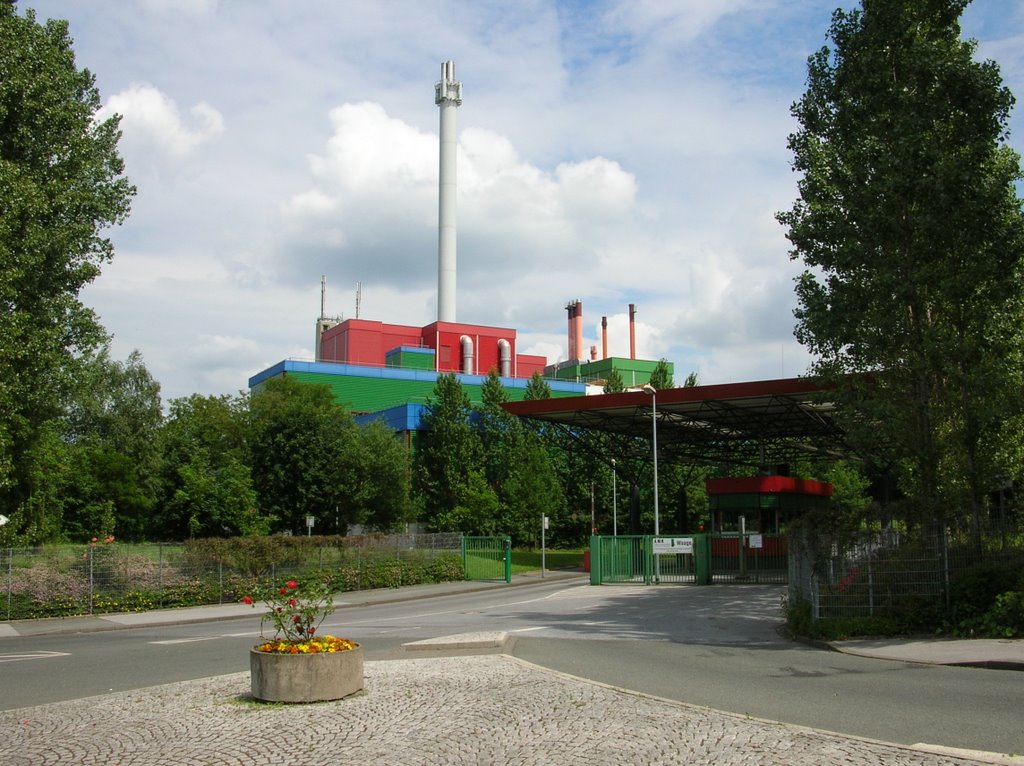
(758, 423)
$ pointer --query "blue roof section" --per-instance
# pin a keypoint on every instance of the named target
(397, 373)
(404, 417)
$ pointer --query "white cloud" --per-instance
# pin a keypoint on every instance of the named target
(152, 119)
(676, 19)
(632, 151)
(187, 7)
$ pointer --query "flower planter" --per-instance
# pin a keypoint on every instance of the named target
(306, 677)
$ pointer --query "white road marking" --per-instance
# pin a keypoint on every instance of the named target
(205, 638)
(32, 656)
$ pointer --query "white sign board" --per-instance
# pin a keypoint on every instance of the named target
(673, 545)
(755, 541)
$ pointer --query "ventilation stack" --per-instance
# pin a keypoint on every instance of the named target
(448, 96)
(632, 331)
(574, 309)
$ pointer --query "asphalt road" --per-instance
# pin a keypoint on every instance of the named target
(716, 646)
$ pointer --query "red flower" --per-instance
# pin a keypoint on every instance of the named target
(292, 602)
(292, 584)
(247, 600)
(296, 618)
(282, 591)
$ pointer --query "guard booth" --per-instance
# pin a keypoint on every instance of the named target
(749, 515)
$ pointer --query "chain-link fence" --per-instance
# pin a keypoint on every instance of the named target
(883, 572)
(101, 577)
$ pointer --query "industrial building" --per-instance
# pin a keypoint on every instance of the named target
(379, 369)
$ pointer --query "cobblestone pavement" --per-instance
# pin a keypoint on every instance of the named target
(488, 709)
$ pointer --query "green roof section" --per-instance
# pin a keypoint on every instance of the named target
(363, 389)
(634, 372)
(410, 358)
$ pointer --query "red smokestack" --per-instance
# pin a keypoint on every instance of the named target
(579, 330)
(632, 331)
(575, 311)
(570, 309)
(604, 337)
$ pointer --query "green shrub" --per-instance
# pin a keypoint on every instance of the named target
(1005, 618)
(446, 569)
(131, 601)
(985, 600)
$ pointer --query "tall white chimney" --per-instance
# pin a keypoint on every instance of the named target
(448, 96)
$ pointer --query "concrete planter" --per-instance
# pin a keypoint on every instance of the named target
(306, 677)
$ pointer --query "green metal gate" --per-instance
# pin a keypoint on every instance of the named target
(487, 558)
(646, 559)
(619, 559)
(697, 559)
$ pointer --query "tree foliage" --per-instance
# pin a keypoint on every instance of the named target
(613, 383)
(207, 482)
(537, 388)
(299, 445)
(911, 230)
(112, 427)
(452, 482)
(61, 185)
(661, 376)
(379, 479)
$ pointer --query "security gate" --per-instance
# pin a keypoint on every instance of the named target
(697, 559)
(487, 558)
(749, 558)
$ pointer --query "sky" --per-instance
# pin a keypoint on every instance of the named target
(610, 152)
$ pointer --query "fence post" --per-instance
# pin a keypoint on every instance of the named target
(871, 581)
(702, 559)
(945, 565)
(10, 580)
(92, 553)
(160, 573)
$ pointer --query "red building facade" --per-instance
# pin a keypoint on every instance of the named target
(466, 348)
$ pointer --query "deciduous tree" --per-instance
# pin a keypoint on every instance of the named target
(61, 185)
(910, 227)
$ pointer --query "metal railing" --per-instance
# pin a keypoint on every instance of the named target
(487, 558)
(99, 578)
(882, 572)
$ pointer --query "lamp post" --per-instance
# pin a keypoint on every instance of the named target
(649, 389)
(615, 504)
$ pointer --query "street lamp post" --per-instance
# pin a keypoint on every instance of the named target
(615, 504)
(649, 389)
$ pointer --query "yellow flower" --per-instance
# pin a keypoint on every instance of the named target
(316, 645)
